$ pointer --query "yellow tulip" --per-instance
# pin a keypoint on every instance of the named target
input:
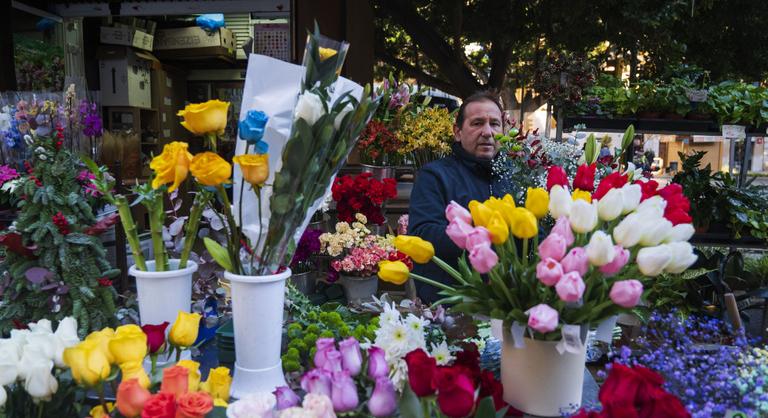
(220, 402)
(98, 411)
(205, 118)
(582, 194)
(419, 250)
(101, 338)
(508, 199)
(503, 206)
(87, 362)
(184, 330)
(209, 169)
(171, 166)
(255, 167)
(129, 344)
(524, 224)
(194, 373)
(498, 228)
(537, 201)
(218, 383)
(393, 271)
(326, 53)
(481, 213)
(135, 370)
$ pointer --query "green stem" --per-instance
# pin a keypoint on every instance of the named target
(449, 269)
(257, 190)
(234, 231)
(156, 216)
(211, 138)
(131, 233)
(102, 401)
(432, 282)
(40, 407)
(153, 359)
(193, 223)
(178, 354)
(525, 252)
(242, 187)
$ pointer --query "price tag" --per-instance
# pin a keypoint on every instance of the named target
(697, 96)
(518, 332)
(734, 131)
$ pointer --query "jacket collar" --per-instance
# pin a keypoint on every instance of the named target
(479, 165)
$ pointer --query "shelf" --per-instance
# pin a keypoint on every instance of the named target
(652, 126)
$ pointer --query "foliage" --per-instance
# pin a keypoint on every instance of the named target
(39, 65)
(562, 77)
(739, 103)
(698, 187)
(670, 291)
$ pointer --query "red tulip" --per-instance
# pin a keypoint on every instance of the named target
(556, 175)
(585, 177)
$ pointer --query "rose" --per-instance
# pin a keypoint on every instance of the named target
(332, 361)
(483, 258)
(393, 271)
(626, 293)
(101, 339)
(320, 405)
(351, 358)
(309, 107)
(171, 166)
(258, 404)
(322, 347)
(523, 223)
(560, 202)
(317, 381)
(9, 359)
(549, 271)
(458, 231)
(184, 330)
(383, 401)
(553, 247)
(205, 118)
(421, 371)
(455, 211)
(255, 168)
(209, 169)
(286, 397)
(87, 362)
(155, 336)
(576, 260)
(570, 287)
(537, 201)
(175, 380)
(194, 373)
(455, 391)
(377, 363)
(489, 386)
(128, 344)
(161, 405)
(542, 318)
(218, 383)
(251, 129)
(131, 397)
(135, 370)
(556, 175)
(419, 250)
(343, 392)
(638, 391)
(193, 405)
(585, 177)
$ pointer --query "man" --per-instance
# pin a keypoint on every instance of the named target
(463, 176)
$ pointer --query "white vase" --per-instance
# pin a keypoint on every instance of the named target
(257, 315)
(540, 381)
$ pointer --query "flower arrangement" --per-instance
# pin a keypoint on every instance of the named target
(362, 194)
(356, 251)
(7, 185)
(308, 245)
(426, 135)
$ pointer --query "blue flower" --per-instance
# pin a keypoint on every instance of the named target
(252, 130)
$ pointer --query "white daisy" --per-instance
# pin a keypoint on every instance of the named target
(441, 353)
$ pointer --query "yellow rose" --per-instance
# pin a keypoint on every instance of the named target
(419, 250)
(87, 362)
(481, 213)
(194, 373)
(498, 228)
(98, 411)
(255, 167)
(393, 271)
(101, 338)
(537, 201)
(205, 118)
(135, 370)
(218, 383)
(129, 344)
(524, 224)
(209, 169)
(582, 194)
(184, 330)
(326, 53)
(172, 166)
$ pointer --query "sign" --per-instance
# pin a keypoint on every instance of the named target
(734, 131)
(697, 96)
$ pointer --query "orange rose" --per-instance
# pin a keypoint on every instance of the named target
(175, 380)
(193, 405)
(131, 397)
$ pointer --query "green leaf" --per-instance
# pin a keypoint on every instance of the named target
(626, 140)
(485, 409)
(409, 404)
(590, 149)
(219, 253)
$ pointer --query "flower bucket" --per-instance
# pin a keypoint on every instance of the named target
(379, 172)
(359, 289)
(162, 294)
(305, 282)
(257, 316)
(538, 380)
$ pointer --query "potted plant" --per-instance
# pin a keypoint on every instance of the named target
(303, 265)
(677, 104)
(650, 99)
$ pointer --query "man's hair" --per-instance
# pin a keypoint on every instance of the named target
(477, 97)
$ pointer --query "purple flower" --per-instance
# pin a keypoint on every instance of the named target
(351, 359)
(343, 392)
(7, 173)
(308, 244)
(317, 381)
(383, 400)
(332, 361)
(286, 398)
(377, 363)
(323, 346)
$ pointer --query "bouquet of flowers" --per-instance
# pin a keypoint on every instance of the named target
(308, 245)
(356, 251)
(8, 177)
(362, 194)
(426, 135)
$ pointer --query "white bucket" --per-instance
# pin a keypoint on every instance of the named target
(162, 294)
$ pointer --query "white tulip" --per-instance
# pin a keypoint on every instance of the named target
(39, 383)
(655, 229)
(41, 326)
(682, 257)
(600, 249)
(654, 205)
(19, 336)
(560, 202)
(629, 231)
(67, 332)
(653, 260)
(583, 216)
(340, 117)
(309, 107)
(9, 361)
(609, 207)
(680, 232)
(33, 354)
(630, 197)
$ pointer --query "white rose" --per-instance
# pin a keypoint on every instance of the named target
(560, 202)
(3, 396)
(309, 107)
(600, 249)
(33, 354)
(9, 361)
(67, 332)
(680, 232)
(41, 326)
(39, 383)
(630, 197)
(682, 257)
(609, 207)
(259, 404)
(653, 260)
(583, 216)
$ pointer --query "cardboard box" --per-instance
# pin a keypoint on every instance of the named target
(127, 36)
(169, 92)
(193, 43)
(124, 74)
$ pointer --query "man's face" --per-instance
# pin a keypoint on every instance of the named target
(482, 120)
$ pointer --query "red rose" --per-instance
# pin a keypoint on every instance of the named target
(585, 177)
(469, 359)
(489, 386)
(455, 391)
(638, 392)
(556, 175)
(421, 370)
(584, 414)
(105, 282)
(155, 336)
(648, 188)
(161, 405)
(614, 180)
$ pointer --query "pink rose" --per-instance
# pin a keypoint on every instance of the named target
(570, 287)
(482, 258)
(343, 392)
(455, 211)
(563, 228)
(549, 271)
(576, 260)
(351, 358)
(317, 381)
(478, 236)
(620, 258)
(552, 247)
(458, 231)
(323, 345)
(542, 318)
(332, 361)
(320, 405)
(626, 293)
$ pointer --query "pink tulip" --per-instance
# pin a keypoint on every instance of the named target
(542, 318)
(563, 228)
(482, 258)
(351, 359)
(323, 345)
(455, 211)
(286, 398)
(332, 361)
(576, 260)
(458, 231)
(620, 259)
(377, 363)
(552, 247)
(383, 400)
(343, 392)
(317, 381)
(626, 293)
(549, 271)
(570, 287)
(478, 236)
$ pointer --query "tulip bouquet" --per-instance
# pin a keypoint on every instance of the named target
(590, 266)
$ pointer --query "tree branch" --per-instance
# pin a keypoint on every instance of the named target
(416, 73)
